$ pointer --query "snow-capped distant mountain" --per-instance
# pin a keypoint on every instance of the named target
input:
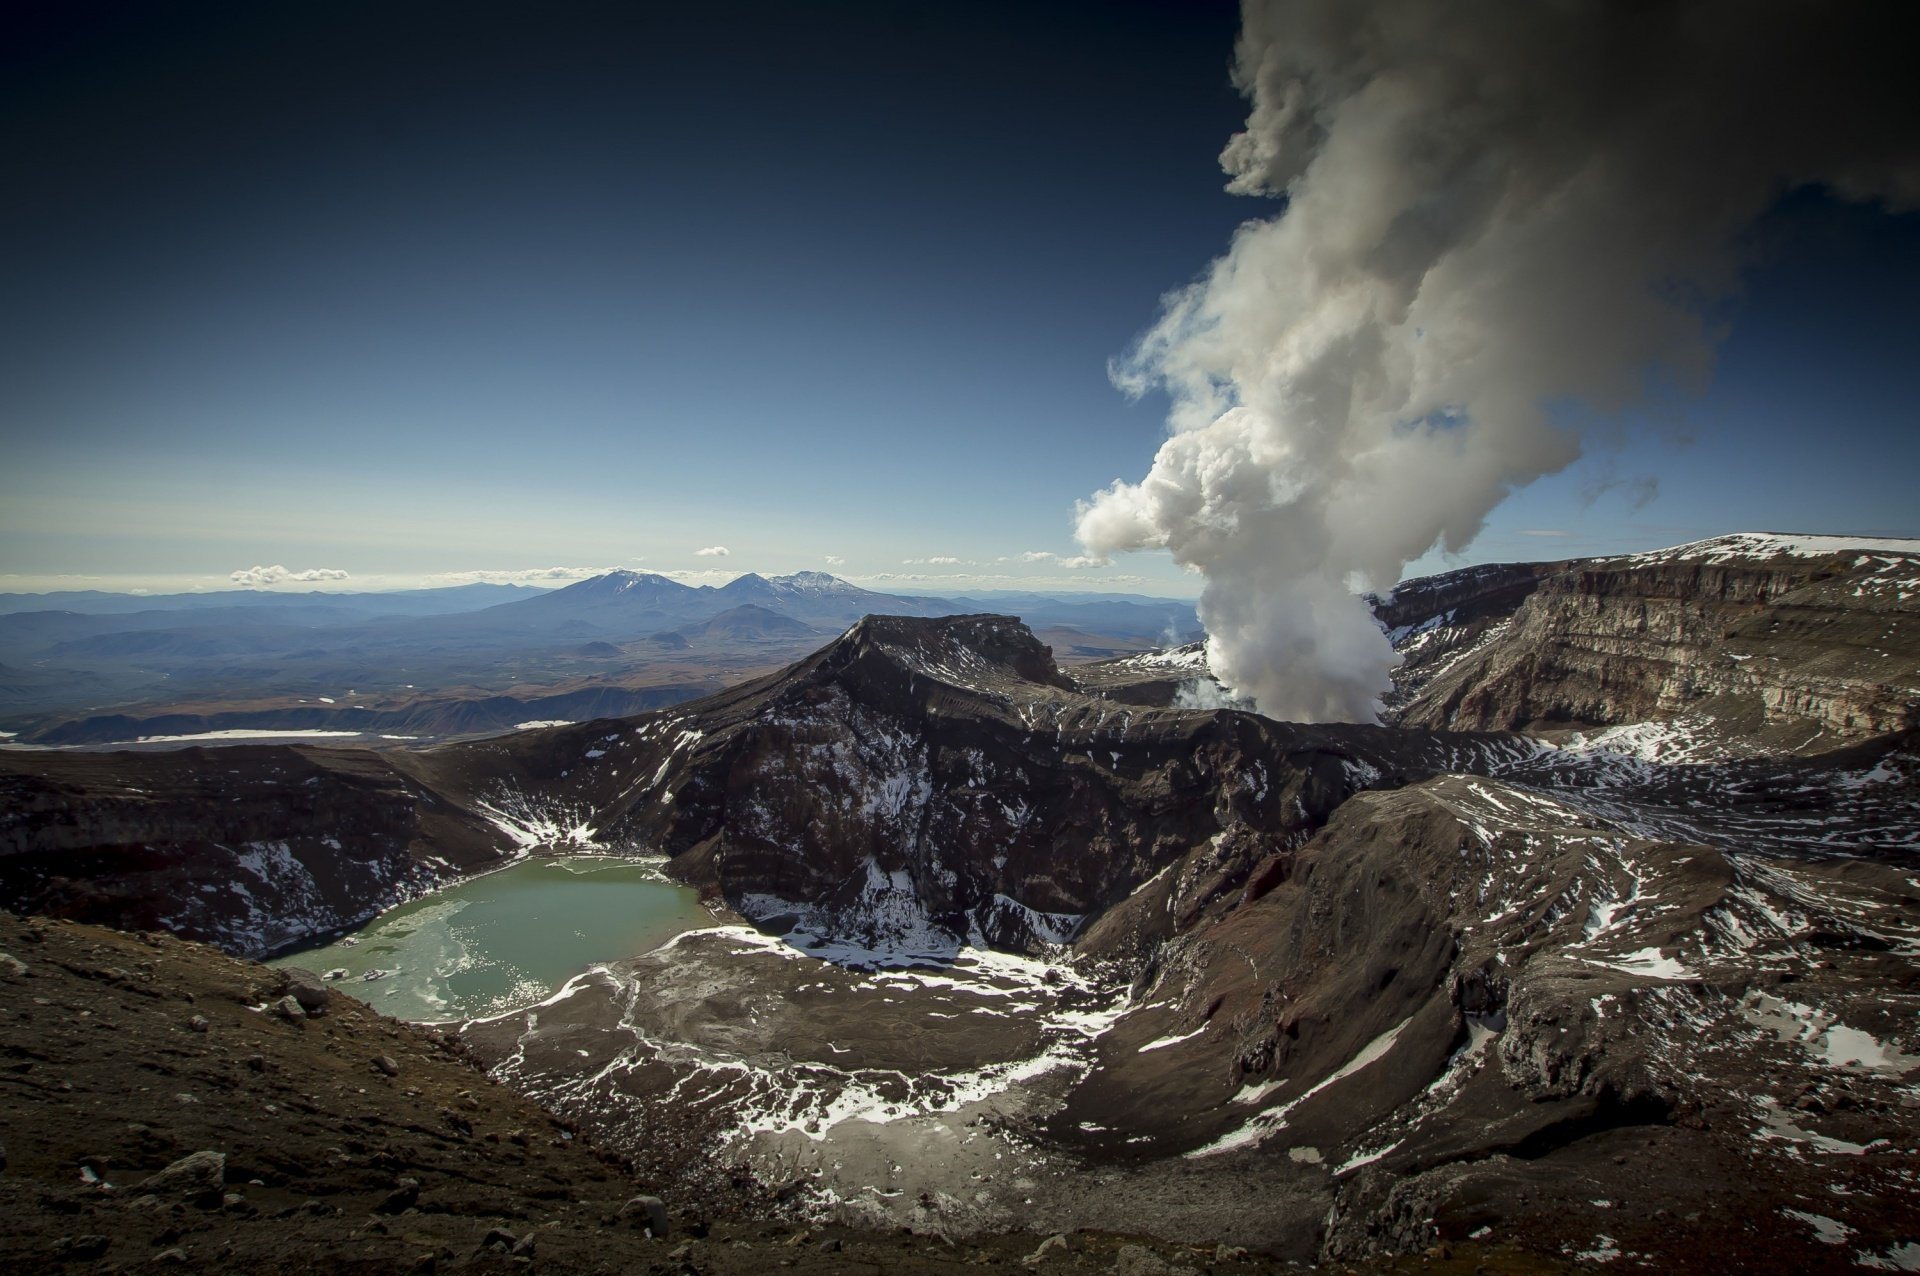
(637, 603)
(824, 601)
(820, 583)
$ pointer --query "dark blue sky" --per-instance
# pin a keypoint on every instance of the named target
(421, 289)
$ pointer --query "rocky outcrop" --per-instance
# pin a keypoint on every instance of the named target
(1804, 650)
(1488, 591)
(922, 783)
(251, 848)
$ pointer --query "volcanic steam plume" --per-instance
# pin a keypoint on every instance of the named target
(1489, 209)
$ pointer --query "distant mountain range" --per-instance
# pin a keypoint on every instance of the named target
(636, 603)
(619, 606)
(94, 663)
(396, 602)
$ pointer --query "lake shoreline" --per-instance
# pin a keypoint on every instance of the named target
(505, 937)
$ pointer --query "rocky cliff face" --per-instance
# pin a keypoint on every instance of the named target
(920, 784)
(249, 848)
(1774, 642)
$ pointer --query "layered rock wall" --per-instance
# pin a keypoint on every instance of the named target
(1800, 651)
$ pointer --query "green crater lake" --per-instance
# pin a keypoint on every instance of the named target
(506, 940)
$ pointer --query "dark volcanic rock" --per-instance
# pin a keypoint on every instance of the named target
(201, 1174)
(911, 785)
(1156, 679)
(920, 782)
(291, 841)
(649, 1212)
(307, 988)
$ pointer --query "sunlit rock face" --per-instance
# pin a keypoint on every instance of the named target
(922, 783)
(1789, 642)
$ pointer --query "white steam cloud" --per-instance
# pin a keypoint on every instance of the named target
(712, 551)
(1490, 207)
(263, 577)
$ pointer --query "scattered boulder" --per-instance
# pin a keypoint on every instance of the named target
(385, 1063)
(499, 1239)
(1138, 1260)
(199, 1023)
(1052, 1247)
(404, 1196)
(290, 1009)
(11, 965)
(200, 1174)
(80, 1249)
(649, 1212)
(306, 988)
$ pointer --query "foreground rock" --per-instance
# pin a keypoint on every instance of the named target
(198, 1175)
(131, 1143)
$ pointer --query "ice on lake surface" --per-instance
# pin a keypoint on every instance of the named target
(506, 940)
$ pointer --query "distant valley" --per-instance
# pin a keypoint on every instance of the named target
(91, 669)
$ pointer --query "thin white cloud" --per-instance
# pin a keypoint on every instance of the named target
(519, 576)
(700, 576)
(712, 551)
(258, 577)
(834, 560)
(1075, 562)
(1001, 580)
(938, 560)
